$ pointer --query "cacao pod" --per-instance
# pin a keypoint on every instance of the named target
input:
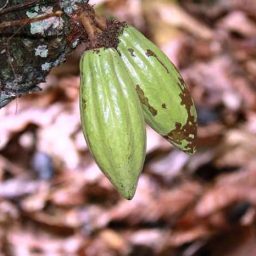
(112, 118)
(168, 106)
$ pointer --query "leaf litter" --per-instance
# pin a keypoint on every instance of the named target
(61, 204)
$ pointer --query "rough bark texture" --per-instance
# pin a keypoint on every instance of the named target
(28, 50)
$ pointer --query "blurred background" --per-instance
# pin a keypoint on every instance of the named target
(54, 200)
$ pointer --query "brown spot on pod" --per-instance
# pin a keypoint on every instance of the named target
(131, 52)
(97, 51)
(164, 105)
(182, 82)
(150, 53)
(144, 100)
(188, 131)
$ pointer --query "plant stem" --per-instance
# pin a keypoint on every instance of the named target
(92, 23)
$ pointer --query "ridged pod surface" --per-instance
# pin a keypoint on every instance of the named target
(168, 106)
(112, 118)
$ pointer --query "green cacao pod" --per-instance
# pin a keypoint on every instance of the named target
(112, 118)
(168, 106)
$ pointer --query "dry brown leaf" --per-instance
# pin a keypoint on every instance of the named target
(168, 166)
(176, 16)
(150, 238)
(114, 240)
(25, 243)
(228, 189)
(238, 242)
(238, 148)
(175, 202)
(178, 238)
(246, 28)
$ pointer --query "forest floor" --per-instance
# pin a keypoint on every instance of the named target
(54, 200)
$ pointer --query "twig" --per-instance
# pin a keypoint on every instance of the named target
(23, 22)
(101, 22)
(4, 10)
(88, 25)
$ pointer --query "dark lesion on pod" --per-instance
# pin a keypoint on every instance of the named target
(182, 83)
(144, 100)
(188, 131)
(150, 53)
(131, 51)
(164, 106)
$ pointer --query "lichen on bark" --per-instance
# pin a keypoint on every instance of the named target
(28, 50)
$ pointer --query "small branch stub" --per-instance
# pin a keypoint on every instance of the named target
(93, 24)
